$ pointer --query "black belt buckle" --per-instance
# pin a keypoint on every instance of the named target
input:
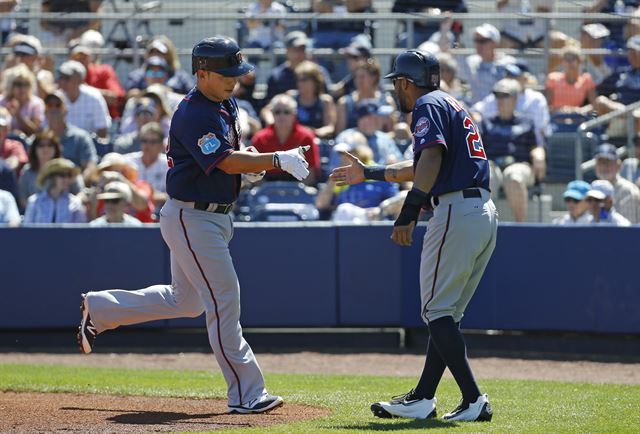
(222, 208)
(466, 193)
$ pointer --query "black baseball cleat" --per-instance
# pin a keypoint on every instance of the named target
(478, 411)
(87, 331)
(407, 406)
(262, 404)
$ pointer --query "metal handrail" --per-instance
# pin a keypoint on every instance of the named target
(359, 16)
(601, 120)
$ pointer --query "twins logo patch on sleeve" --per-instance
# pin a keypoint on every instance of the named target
(422, 126)
(208, 143)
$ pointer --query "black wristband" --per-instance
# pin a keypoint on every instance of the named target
(276, 160)
(374, 172)
(413, 203)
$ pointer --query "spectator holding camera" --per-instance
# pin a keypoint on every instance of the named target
(626, 194)
(600, 200)
(76, 143)
(117, 167)
(116, 197)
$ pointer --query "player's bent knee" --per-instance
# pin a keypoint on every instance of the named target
(432, 315)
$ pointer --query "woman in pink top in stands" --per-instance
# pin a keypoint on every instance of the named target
(570, 90)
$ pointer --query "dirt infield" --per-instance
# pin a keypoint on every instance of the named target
(87, 414)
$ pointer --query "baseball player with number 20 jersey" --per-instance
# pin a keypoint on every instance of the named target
(203, 181)
(450, 173)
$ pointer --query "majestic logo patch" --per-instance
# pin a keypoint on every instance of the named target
(208, 143)
(422, 127)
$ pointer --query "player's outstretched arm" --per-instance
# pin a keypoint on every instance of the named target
(357, 172)
(291, 161)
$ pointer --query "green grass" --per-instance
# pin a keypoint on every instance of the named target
(519, 406)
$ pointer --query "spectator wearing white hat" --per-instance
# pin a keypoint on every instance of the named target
(600, 199)
(99, 75)
(116, 196)
(27, 49)
(179, 80)
(117, 167)
(626, 194)
(483, 69)
(86, 107)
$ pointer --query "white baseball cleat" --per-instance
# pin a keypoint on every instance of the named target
(405, 406)
(479, 411)
(262, 404)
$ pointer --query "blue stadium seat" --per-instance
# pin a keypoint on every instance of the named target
(561, 157)
(282, 192)
(284, 212)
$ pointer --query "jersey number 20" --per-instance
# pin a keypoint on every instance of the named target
(474, 141)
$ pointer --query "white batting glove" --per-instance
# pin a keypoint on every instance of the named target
(293, 162)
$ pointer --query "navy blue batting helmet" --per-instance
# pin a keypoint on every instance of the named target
(419, 67)
(219, 54)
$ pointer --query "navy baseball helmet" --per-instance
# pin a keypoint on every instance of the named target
(419, 67)
(219, 54)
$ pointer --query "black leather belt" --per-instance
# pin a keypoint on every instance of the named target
(218, 208)
(467, 193)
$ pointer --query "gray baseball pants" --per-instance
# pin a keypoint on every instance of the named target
(203, 279)
(457, 246)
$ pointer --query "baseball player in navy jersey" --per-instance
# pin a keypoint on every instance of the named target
(203, 182)
(450, 173)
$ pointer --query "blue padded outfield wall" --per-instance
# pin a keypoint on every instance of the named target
(320, 275)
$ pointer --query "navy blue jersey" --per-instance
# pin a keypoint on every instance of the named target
(438, 119)
(202, 134)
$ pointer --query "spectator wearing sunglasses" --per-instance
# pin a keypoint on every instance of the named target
(26, 108)
(151, 161)
(483, 69)
(516, 158)
(116, 197)
(287, 133)
(578, 208)
(55, 203)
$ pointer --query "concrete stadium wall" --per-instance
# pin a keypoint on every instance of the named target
(540, 277)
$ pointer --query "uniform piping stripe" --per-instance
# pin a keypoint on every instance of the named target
(435, 274)
(215, 304)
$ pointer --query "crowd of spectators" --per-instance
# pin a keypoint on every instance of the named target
(78, 143)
